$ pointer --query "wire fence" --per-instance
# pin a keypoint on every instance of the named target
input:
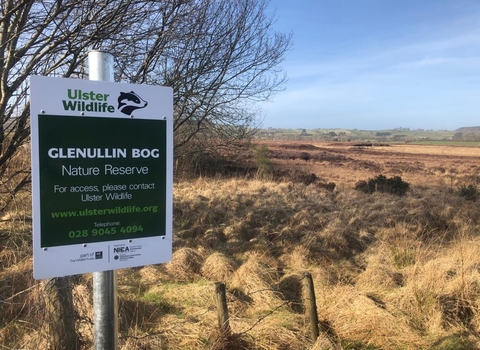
(57, 314)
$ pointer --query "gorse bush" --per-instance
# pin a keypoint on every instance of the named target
(469, 192)
(380, 183)
(263, 161)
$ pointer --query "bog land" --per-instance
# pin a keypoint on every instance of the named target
(391, 270)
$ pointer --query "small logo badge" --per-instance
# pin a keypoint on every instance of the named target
(130, 101)
(98, 255)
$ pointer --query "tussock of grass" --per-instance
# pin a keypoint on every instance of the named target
(381, 275)
(358, 316)
(218, 267)
(185, 264)
(256, 278)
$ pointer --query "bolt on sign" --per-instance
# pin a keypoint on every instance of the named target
(102, 176)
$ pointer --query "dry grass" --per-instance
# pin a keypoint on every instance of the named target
(390, 272)
(218, 267)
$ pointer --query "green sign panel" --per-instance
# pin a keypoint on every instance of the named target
(101, 179)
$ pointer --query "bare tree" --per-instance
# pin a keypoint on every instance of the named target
(220, 57)
(44, 38)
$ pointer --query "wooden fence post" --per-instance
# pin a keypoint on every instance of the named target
(311, 304)
(60, 313)
(222, 310)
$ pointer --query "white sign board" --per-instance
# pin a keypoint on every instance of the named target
(102, 175)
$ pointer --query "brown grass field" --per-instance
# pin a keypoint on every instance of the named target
(390, 272)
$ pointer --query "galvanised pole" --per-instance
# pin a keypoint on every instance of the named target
(105, 300)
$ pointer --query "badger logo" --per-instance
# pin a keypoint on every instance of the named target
(130, 101)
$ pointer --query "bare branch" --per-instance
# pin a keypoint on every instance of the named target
(220, 57)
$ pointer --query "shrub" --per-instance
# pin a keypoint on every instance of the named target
(380, 183)
(469, 192)
(262, 158)
(362, 185)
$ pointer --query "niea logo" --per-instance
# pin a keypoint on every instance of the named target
(130, 101)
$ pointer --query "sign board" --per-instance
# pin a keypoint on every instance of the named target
(102, 175)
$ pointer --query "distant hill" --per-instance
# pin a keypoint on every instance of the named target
(471, 133)
(469, 129)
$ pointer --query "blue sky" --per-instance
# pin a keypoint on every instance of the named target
(378, 64)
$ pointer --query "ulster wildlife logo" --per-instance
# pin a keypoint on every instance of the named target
(130, 101)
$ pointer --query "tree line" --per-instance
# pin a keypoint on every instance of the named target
(220, 58)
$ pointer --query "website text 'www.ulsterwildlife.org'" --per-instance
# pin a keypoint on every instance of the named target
(127, 209)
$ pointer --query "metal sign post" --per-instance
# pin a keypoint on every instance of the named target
(105, 299)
